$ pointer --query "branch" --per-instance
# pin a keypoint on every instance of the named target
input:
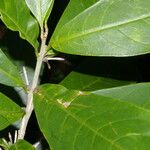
(29, 107)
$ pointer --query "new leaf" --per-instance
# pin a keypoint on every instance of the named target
(40, 9)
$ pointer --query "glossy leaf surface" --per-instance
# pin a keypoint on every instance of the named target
(104, 28)
(9, 74)
(22, 145)
(40, 9)
(9, 111)
(80, 120)
(16, 16)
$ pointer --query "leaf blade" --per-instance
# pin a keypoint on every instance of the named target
(40, 9)
(22, 145)
(104, 28)
(85, 82)
(9, 74)
(90, 75)
(25, 24)
(131, 93)
(9, 111)
(90, 121)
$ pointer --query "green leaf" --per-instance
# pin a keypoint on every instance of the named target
(40, 8)
(104, 28)
(9, 111)
(80, 120)
(86, 82)
(91, 75)
(135, 93)
(16, 16)
(9, 74)
(22, 145)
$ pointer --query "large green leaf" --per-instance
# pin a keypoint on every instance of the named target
(22, 145)
(9, 74)
(72, 120)
(135, 93)
(91, 75)
(40, 9)
(87, 82)
(9, 111)
(104, 28)
(16, 15)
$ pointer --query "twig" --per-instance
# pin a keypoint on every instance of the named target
(29, 107)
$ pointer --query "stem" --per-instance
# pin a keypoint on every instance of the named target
(29, 106)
